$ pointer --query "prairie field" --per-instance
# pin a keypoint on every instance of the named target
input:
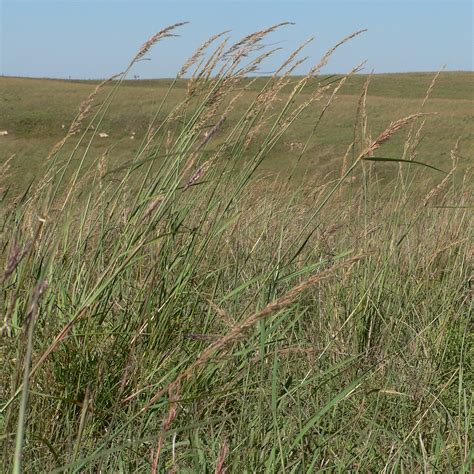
(34, 111)
(255, 274)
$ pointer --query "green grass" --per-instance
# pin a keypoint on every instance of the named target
(189, 305)
(33, 110)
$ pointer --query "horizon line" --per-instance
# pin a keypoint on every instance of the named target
(167, 78)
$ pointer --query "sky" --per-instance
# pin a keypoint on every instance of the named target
(96, 39)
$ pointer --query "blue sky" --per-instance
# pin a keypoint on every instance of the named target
(95, 39)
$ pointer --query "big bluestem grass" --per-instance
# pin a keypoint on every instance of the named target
(183, 313)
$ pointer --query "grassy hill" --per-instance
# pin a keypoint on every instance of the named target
(33, 112)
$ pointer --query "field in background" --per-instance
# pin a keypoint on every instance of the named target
(162, 310)
(33, 112)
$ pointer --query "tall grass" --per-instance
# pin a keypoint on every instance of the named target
(183, 313)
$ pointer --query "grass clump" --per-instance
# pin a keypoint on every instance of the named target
(177, 312)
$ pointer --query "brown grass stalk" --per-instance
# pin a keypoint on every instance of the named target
(196, 56)
(164, 33)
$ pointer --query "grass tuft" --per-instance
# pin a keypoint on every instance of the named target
(181, 310)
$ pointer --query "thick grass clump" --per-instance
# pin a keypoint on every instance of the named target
(181, 312)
